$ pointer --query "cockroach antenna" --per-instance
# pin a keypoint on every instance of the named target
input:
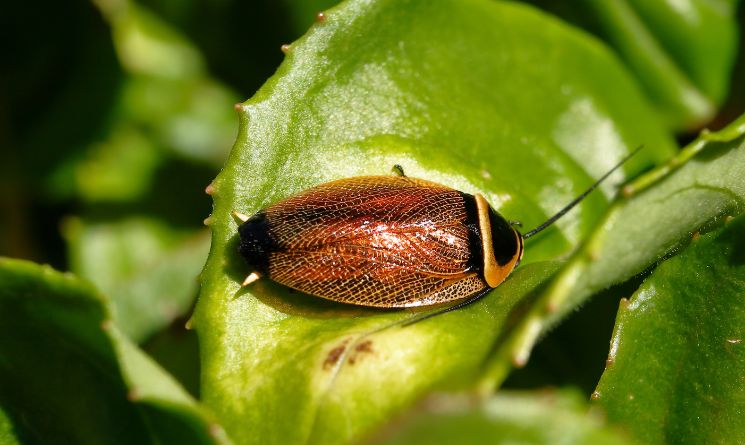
(579, 198)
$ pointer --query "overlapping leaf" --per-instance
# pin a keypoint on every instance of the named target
(705, 182)
(682, 53)
(69, 375)
(676, 370)
(148, 269)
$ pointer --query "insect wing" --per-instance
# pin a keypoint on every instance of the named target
(375, 241)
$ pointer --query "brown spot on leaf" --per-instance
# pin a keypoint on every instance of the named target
(320, 17)
(364, 347)
(334, 355)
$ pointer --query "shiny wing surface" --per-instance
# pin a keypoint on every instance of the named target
(392, 221)
(378, 241)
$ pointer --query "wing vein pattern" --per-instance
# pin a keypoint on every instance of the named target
(388, 241)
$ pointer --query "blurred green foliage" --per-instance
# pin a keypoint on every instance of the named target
(70, 376)
(115, 115)
(539, 417)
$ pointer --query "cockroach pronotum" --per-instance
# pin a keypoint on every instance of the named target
(387, 242)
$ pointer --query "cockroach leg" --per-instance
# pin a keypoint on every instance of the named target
(515, 223)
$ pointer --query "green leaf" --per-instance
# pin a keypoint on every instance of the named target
(705, 182)
(456, 92)
(169, 93)
(69, 375)
(681, 52)
(148, 269)
(176, 349)
(701, 38)
(676, 367)
(168, 108)
(547, 417)
(8, 433)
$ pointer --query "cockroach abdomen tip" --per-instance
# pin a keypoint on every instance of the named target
(239, 217)
(252, 277)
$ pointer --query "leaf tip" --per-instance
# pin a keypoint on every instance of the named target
(106, 325)
(216, 431)
(285, 48)
(210, 189)
(627, 191)
(518, 361)
(609, 361)
(134, 395)
(552, 307)
(593, 254)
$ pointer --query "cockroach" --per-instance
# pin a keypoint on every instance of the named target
(387, 242)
